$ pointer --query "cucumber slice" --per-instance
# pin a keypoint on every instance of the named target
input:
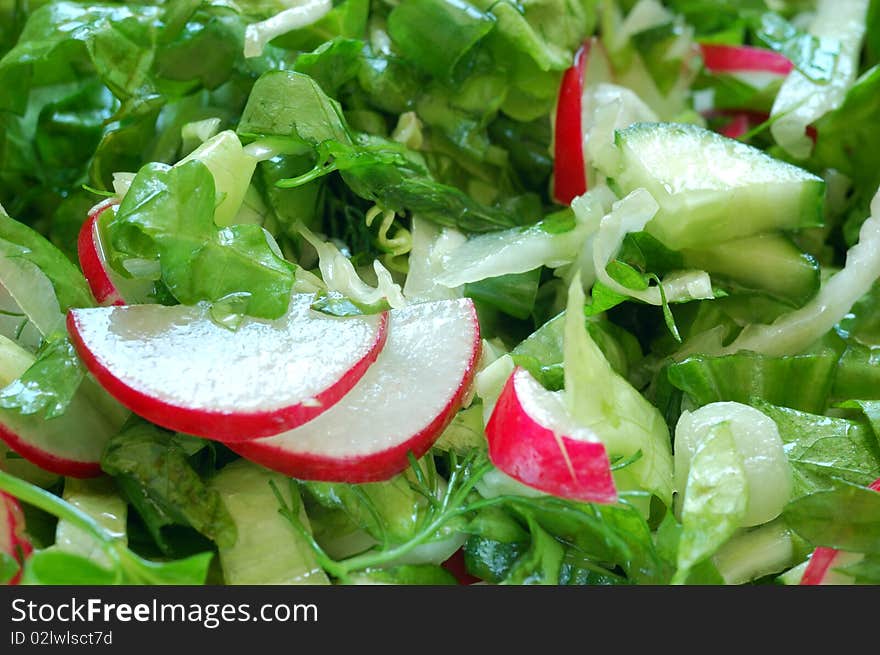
(711, 188)
(769, 263)
(756, 552)
(268, 549)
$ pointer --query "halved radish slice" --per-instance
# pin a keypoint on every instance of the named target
(720, 58)
(401, 405)
(569, 171)
(178, 368)
(70, 444)
(108, 287)
(533, 439)
(13, 540)
(823, 561)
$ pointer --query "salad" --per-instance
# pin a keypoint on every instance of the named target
(565, 292)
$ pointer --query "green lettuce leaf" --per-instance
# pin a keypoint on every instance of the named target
(714, 502)
(153, 471)
(801, 382)
(436, 34)
(168, 215)
(824, 449)
(846, 517)
(49, 385)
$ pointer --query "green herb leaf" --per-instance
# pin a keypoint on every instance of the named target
(154, 473)
(168, 215)
(49, 385)
(846, 517)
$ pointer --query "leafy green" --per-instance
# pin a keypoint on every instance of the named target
(514, 294)
(9, 567)
(390, 511)
(668, 537)
(812, 56)
(436, 34)
(846, 517)
(333, 64)
(20, 241)
(101, 88)
(168, 215)
(49, 385)
(127, 568)
(845, 140)
(492, 560)
(376, 169)
(714, 500)
(824, 449)
(541, 563)
(412, 574)
(496, 542)
(801, 382)
(153, 471)
(625, 421)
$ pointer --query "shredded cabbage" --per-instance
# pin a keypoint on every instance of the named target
(599, 398)
(605, 108)
(430, 246)
(631, 214)
(339, 274)
(794, 331)
(515, 250)
(257, 35)
(840, 25)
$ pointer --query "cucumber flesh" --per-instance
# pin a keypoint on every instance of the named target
(766, 263)
(268, 550)
(755, 553)
(711, 188)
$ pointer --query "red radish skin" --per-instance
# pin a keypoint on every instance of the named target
(740, 122)
(719, 58)
(457, 567)
(91, 263)
(49, 461)
(532, 452)
(738, 126)
(569, 165)
(327, 450)
(822, 559)
(221, 425)
(13, 540)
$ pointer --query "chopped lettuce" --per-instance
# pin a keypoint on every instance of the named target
(379, 154)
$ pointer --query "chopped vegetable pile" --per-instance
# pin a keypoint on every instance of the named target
(435, 292)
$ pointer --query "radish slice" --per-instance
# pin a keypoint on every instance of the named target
(108, 287)
(70, 444)
(533, 439)
(569, 170)
(179, 369)
(823, 560)
(401, 405)
(13, 540)
(719, 58)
